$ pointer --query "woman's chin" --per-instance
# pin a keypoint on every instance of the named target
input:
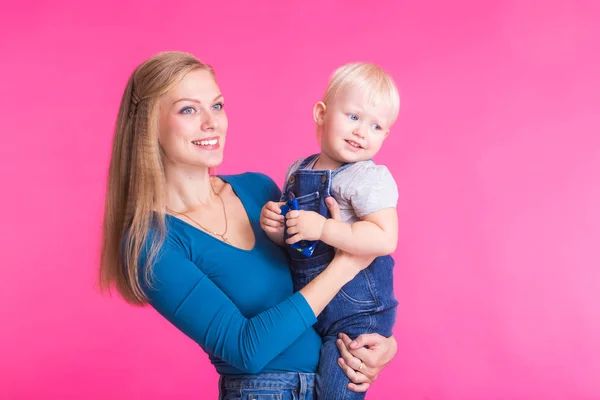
(213, 162)
(208, 160)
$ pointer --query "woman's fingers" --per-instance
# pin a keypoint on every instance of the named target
(334, 208)
(351, 359)
(352, 374)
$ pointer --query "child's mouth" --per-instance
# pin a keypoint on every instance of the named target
(354, 144)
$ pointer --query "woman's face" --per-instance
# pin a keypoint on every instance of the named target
(193, 123)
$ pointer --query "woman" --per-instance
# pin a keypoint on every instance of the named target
(190, 244)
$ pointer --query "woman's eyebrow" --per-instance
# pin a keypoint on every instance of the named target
(196, 100)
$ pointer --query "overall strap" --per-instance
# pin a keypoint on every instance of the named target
(340, 169)
(307, 161)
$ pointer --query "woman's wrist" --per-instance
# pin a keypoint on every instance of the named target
(319, 292)
(343, 268)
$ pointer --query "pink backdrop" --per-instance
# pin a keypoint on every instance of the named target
(496, 152)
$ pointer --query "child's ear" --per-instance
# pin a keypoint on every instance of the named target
(386, 133)
(319, 113)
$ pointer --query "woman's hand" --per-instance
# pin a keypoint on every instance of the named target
(364, 358)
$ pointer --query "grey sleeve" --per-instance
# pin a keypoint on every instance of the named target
(372, 189)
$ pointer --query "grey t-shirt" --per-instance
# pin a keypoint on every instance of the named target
(361, 189)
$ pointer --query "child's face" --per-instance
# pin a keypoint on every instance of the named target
(353, 129)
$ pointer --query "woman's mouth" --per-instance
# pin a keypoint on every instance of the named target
(211, 143)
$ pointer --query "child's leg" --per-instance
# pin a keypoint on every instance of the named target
(332, 382)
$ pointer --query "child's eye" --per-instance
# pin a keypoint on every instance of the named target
(376, 127)
(353, 117)
(187, 110)
(218, 107)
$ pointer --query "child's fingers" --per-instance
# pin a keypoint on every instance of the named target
(271, 229)
(275, 207)
(271, 223)
(269, 218)
(273, 215)
(293, 214)
(291, 222)
(294, 239)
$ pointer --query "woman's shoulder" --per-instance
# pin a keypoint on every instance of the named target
(163, 236)
(255, 185)
(251, 178)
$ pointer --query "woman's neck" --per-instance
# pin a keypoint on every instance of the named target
(187, 190)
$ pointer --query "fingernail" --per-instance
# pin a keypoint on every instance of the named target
(339, 363)
(339, 335)
(354, 343)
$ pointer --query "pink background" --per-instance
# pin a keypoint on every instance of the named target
(496, 152)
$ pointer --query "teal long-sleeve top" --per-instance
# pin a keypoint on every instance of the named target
(238, 305)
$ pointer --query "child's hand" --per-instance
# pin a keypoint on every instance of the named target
(271, 220)
(304, 225)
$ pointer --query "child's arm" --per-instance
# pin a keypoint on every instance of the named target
(376, 234)
(272, 222)
(372, 193)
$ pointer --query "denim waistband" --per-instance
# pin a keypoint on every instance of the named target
(283, 380)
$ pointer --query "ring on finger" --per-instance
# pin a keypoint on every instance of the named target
(362, 364)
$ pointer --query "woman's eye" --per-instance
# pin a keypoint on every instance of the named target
(218, 107)
(187, 110)
(353, 117)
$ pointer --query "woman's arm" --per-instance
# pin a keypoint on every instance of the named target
(189, 299)
(192, 302)
(340, 271)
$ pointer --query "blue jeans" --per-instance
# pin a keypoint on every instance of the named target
(364, 305)
(268, 386)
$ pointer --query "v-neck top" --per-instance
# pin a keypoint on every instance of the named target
(237, 304)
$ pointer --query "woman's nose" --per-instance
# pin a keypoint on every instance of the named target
(209, 122)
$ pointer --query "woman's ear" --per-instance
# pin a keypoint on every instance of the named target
(319, 113)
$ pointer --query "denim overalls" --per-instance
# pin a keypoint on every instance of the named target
(364, 305)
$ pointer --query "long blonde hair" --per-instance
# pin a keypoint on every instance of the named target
(134, 216)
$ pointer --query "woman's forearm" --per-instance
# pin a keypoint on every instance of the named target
(319, 292)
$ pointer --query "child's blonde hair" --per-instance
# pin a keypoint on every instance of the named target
(378, 85)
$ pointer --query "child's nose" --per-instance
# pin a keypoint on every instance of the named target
(359, 131)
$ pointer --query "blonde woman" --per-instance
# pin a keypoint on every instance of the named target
(190, 244)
